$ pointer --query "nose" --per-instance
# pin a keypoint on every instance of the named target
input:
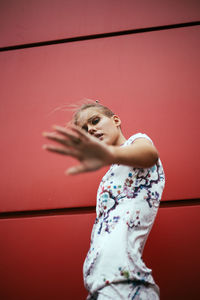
(91, 130)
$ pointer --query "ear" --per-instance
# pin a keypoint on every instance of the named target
(116, 120)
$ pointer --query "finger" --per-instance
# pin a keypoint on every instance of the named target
(76, 170)
(74, 138)
(56, 138)
(61, 150)
(80, 132)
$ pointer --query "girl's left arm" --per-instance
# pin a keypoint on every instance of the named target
(94, 154)
(140, 154)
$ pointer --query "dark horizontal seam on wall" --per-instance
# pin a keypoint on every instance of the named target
(99, 36)
(84, 210)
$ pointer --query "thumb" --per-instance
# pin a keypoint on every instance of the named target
(76, 170)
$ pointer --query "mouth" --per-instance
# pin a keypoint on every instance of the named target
(99, 136)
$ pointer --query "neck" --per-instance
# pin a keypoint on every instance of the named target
(121, 140)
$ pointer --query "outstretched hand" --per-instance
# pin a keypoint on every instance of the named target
(88, 150)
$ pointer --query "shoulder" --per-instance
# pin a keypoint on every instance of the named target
(136, 136)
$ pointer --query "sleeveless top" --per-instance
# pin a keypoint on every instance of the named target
(127, 202)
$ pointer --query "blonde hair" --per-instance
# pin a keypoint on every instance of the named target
(94, 104)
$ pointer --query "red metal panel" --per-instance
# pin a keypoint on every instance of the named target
(150, 80)
(172, 251)
(41, 258)
(40, 20)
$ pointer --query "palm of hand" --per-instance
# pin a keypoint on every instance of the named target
(92, 153)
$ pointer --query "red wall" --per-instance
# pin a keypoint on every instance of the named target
(151, 80)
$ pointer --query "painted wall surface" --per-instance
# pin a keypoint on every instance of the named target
(42, 257)
(151, 80)
(31, 21)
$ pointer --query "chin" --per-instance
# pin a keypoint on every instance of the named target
(105, 142)
(109, 143)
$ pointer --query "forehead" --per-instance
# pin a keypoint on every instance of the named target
(86, 114)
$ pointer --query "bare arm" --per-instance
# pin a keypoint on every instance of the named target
(140, 154)
(94, 154)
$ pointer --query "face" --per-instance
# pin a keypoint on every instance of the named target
(106, 129)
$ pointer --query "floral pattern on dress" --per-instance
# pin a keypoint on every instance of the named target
(127, 202)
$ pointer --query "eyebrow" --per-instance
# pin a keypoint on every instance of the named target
(90, 119)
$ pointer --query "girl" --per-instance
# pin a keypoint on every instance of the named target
(127, 200)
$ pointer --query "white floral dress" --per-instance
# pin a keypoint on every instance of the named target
(127, 202)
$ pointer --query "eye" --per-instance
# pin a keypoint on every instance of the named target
(95, 120)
